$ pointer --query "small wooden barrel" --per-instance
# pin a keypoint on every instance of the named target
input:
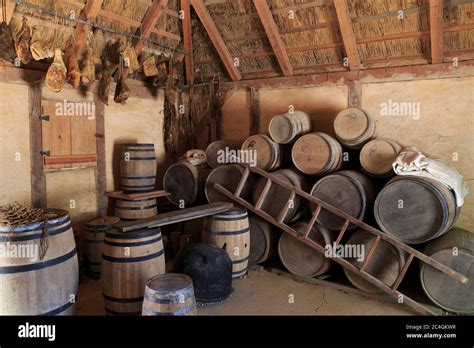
(33, 286)
(95, 233)
(386, 262)
(353, 127)
(215, 153)
(138, 168)
(277, 196)
(169, 294)
(268, 154)
(456, 250)
(377, 157)
(184, 182)
(284, 129)
(349, 191)
(300, 259)
(263, 240)
(230, 231)
(128, 261)
(135, 209)
(415, 210)
(317, 154)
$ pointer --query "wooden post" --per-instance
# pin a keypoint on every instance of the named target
(254, 111)
(348, 36)
(436, 31)
(102, 199)
(187, 41)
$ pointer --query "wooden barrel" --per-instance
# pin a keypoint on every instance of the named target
(230, 231)
(349, 191)
(138, 168)
(215, 153)
(284, 129)
(377, 157)
(353, 127)
(268, 154)
(317, 154)
(415, 210)
(456, 250)
(184, 182)
(127, 209)
(95, 233)
(301, 260)
(128, 261)
(30, 285)
(169, 294)
(277, 196)
(385, 264)
(263, 240)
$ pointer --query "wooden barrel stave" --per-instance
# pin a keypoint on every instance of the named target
(135, 209)
(138, 168)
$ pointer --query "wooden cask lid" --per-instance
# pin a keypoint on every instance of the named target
(169, 283)
(102, 222)
(181, 181)
(212, 152)
(377, 156)
(281, 128)
(261, 239)
(351, 124)
(227, 176)
(266, 150)
(311, 153)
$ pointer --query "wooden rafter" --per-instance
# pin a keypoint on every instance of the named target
(436, 31)
(152, 16)
(187, 40)
(273, 36)
(348, 36)
(10, 8)
(89, 13)
(216, 39)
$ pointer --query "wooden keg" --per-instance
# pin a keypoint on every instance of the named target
(385, 264)
(31, 285)
(300, 259)
(285, 128)
(169, 294)
(128, 261)
(349, 191)
(138, 168)
(317, 154)
(215, 153)
(415, 210)
(377, 157)
(277, 196)
(263, 240)
(267, 154)
(127, 209)
(230, 231)
(353, 127)
(455, 249)
(185, 182)
(95, 233)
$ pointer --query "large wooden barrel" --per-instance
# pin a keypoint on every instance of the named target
(267, 154)
(263, 240)
(456, 250)
(138, 168)
(229, 177)
(230, 231)
(285, 128)
(95, 234)
(215, 153)
(349, 191)
(128, 261)
(277, 196)
(169, 294)
(317, 154)
(127, 209)
(377, 157)
(184, 182)
(300, 259)
(353, 127)
(415, 210)
(385, 264)
(30, 285)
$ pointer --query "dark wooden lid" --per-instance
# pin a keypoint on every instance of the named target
(181, 181)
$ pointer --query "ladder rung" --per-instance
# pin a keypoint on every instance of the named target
(242, 182)
(370, 253)
(312, 221)
(264, 193)
(403, 272)
(282, 215)
(341, 233)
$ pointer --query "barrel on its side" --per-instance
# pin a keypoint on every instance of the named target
(263, 240)
(266, 154)
(353, 127)
(456, 250)
(128, 261)
(34, 286)
(138, 168)
(377, 157)
(127, 209)
(286, 128)
(169, 294)
(216, 153)
(415, 210)
(230, 231)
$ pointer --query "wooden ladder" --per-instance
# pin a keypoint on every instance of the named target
(279, 222)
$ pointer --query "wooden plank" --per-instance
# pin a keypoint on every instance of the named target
(273, 36)
(187, 41)
(70, 159)
(100, 150)
(135, 196)
(152, 15)
(91, 9)
(60, 135)
(254, 111)
(83, 130)
(216, 39)
(347, 32)
(436, 31)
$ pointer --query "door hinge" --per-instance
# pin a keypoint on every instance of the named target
(45, 153)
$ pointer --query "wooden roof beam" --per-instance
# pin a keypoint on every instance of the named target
(89, 13)
(436, 31)
(216, 39)
(273, 36)
(152, 16)
(187, 41)
(348, 36)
